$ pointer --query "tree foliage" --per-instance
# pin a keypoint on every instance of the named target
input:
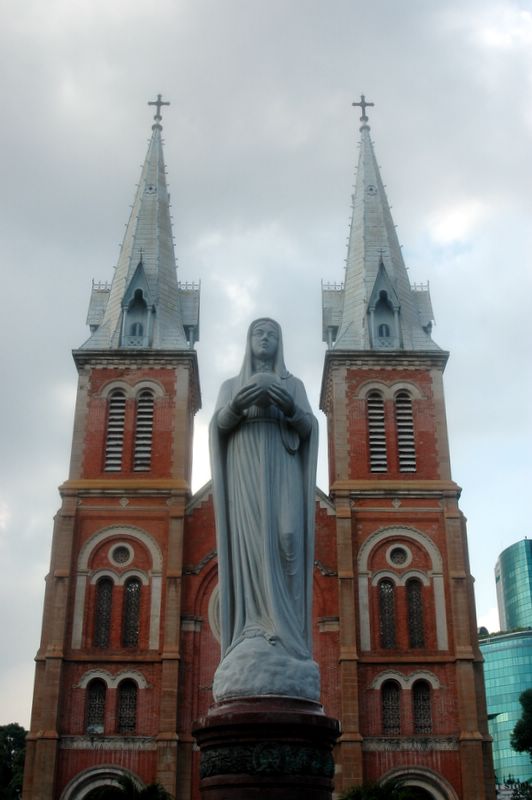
(389, 790)
(521, 738)
(521, 791)
(127, 789)
(12, 751)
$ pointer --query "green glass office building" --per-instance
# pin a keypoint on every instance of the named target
(513, 579)
(507, 673)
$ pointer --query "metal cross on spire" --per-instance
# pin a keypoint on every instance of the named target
(363, 105)
(158, 103)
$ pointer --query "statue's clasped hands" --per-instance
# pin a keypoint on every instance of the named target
(259, 393)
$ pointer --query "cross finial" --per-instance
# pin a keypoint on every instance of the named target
(363, 105)
(158, 103)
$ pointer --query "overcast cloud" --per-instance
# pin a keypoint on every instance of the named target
(260, 146)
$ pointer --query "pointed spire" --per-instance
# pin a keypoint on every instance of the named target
(380, 309)
(143, 307)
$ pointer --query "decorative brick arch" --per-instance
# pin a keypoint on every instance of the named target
(83, 576)
(423, 778)
(365, 578)
(94, 778)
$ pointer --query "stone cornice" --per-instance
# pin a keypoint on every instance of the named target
(141, 359)
(98, 742)
(421, 744)
(381, 488)
(124, 486)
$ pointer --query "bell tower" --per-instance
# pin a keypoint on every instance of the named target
(411, 682)
(107, 669)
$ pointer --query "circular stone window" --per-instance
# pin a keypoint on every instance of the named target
(121, 554)
(398, 556)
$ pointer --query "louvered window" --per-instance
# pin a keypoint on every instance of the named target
(127, 707)
(387, 613)
(404, 421)
(421, 700)
(143, 432)
(131, 614)
(414, 596)
(391, 708)
(102, 612)
(95, 707)
(378, 460)
(114, 443)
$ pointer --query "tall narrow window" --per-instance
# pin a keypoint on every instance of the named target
(102, 612)
(378, 460)
(422, 707)
(414, 598)
(391, 708)
(114, 443)
(127, 707)
(131, 614)
(143, 432)
(404, 421)
(387, 613)
(95, 706)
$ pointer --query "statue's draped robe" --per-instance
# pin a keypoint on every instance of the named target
(264, 468)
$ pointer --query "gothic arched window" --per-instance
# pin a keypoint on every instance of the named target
(103, 607)
(414, 599)
(378, 460)
(127, 707)
(383, 330)
(404, 421)
(143, 431)
(391, 708)
(387, 613)
(422, 711)
(114, 441)
(131, 613)
(95, 706)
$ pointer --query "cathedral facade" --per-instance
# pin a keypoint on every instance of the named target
(130, 637)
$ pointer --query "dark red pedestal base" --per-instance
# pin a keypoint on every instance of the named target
(267, 747)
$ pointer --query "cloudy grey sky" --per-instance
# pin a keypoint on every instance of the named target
(260, 145)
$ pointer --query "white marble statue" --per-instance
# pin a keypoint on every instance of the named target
(264, 443)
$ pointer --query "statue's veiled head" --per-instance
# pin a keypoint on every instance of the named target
(264, 345)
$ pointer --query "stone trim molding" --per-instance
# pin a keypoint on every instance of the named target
(132, 390)
(120, 580)
(400, 580)
(405, 681)
(389, 390)
(121, 530)
(112, 681)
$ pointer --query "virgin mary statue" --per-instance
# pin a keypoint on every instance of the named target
(263, 440)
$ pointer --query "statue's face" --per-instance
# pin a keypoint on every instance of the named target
(264, 340)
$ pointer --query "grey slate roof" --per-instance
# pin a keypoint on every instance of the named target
(148, 240)
(373, 256)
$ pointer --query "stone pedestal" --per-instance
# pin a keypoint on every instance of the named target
(266, 747)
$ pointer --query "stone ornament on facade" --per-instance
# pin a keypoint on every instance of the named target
(263, 452)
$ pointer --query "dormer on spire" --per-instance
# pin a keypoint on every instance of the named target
(379, 308)
(145, 307)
